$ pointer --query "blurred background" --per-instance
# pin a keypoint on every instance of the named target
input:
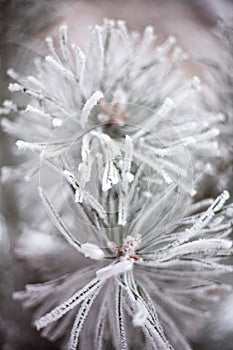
(23, 27)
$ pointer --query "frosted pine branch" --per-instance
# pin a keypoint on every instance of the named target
(88, 96)
(152, 274)
(124, 135)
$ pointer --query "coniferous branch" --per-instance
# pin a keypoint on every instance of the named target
(117, 123)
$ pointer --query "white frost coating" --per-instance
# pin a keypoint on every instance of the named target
(207, 216)
(148, 38)
(70, 177)
(167, 45)
(114, 270)
(57, 221)
(92, 251)
(124, 33)
(80, 63)
(166, 177)
(63, 31)
(119, 96)
(220, 201)
(50, 43)
(12, 74)
(68, 305)
(128, 155)
(38, 111)
(204, 137)
(141, 315)
(57, 122)
(120, 319)
(24, 146)
(96, 206)
(84, 170)
(110, 176)
(79, 194)
(31, 79)
(196, 247)
(85, 152)
(79, 320)
(14, 87)
(8, 107)
(83, 194)
(60, 68)
(130, 177)
(90, 103)
(84, 174)
(112, 149)
(99, 48)
(167, 107)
